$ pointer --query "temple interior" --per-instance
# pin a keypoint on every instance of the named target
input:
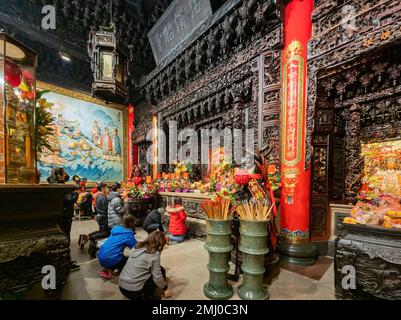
(200, 150)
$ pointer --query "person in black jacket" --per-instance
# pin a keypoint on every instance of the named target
(101, 218)
(153, 221)
(59, 176)
(65, 220)
(101, 208)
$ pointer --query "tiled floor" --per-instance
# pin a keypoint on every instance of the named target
(185, 264)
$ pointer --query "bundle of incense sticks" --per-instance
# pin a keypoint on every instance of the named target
(257, 210)
(218, 209)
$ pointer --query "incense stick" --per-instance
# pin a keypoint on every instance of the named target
(218, 209)
(255, 210)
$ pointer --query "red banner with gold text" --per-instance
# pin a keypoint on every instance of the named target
(295, 198)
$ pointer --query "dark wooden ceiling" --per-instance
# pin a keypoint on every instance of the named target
(74, 20)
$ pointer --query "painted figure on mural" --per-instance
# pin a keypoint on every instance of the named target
(60, 123)
(80, 143)
(107, 142)
(96, 134)
(116, 143)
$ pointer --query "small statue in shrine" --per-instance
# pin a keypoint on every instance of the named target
(387, 180)
(136, 176)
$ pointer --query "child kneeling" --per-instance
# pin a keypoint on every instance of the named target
(177, 229)
(111, 253)
(143, 274)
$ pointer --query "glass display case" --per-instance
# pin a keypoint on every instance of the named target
(17, 110)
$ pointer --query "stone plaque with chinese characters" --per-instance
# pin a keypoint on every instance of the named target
(180, 20)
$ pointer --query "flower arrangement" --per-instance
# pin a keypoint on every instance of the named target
(44, 122)
(186, 186)
(175, 185)
(227, 190)
(184, 170)
(224, 167)
(150, 188)
(136, 192)
(366, 197)
(180, 168)
(141, 191)
(274, 177)
(162, 186)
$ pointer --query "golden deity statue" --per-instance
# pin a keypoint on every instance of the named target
(383, 170)
(389, 180)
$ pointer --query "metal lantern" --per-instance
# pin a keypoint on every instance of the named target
(109, 65)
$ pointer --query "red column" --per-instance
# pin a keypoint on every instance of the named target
(131, 147)
(295, 198)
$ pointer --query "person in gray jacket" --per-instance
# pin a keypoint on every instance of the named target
(115, 209)
(142, 273)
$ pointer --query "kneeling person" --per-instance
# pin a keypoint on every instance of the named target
(111, 253)
(177, 228)
(153, 221)
(143, 274)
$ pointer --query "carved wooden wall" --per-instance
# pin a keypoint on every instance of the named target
(228, 74)
(354, 75)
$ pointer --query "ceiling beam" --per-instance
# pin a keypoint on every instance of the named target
(45, 38)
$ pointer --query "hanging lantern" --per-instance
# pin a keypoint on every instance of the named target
(13, 74)
(109, 60)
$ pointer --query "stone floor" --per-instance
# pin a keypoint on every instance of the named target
(185, 264)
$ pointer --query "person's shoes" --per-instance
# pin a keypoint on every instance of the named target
(84, 241)
(80, 239)
(74, 266)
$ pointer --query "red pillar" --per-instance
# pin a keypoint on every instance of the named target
(295, 197)
(131, 147)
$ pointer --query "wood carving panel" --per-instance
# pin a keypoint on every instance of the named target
(354, 69)
(375, 255)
